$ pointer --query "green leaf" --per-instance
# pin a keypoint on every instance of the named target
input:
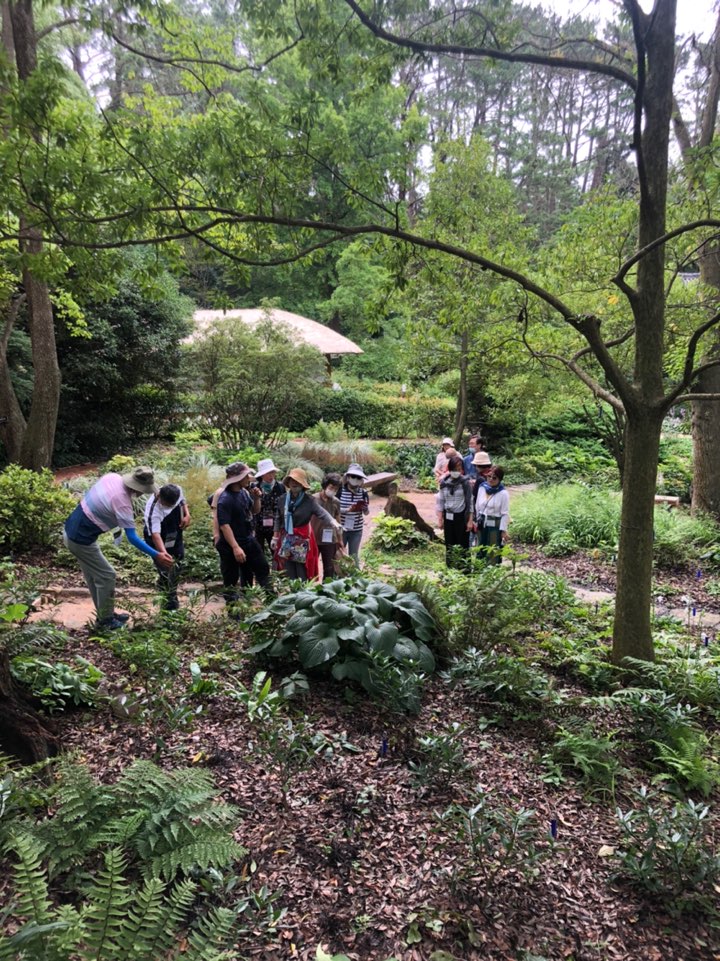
(383, 638)
(315, 649)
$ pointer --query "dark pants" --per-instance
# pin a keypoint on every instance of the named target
(457, 541)
(490, 543)
(327, 552)
(264, 535)
(168, 581)
(255, 568)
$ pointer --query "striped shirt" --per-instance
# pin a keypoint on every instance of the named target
(349, 496)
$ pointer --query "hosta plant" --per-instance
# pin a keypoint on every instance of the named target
(364, 631)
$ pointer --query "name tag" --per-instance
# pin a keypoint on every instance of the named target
(268, 521)
(449, 516)
(327, 536)
(491, 522)
(349, 522)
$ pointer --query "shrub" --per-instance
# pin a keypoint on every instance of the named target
(32, 509)
(586, 518)
(59, 685)
(495, 840)
(396, 534)
(364, 631)
(666, 853)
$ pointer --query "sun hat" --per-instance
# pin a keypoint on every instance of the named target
(482, 459)
(447, 441)
(264, 467)
(299, 476)
(355, 470)
(234, 473)
(141, 479)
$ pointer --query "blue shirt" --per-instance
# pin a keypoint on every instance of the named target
(470, 468)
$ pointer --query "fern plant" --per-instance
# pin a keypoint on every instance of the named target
(155, 834)
(113, 920)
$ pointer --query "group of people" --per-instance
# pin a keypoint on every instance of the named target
(473, 506)
(261, 523)
(258, 523)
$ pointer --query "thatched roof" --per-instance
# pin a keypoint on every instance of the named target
(309, 331)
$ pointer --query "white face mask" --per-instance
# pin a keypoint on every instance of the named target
(454, 474)
(354, 481)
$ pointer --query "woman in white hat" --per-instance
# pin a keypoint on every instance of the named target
(354, 508)
(293, 537)
(271, 491)
(107, 505)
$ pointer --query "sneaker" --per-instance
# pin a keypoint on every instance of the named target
(121, 617)
(111, 623)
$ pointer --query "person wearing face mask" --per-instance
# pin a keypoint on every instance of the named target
(492, 514)
(271, 492)
(329, 539)
(354, 507)
(456, 504)
(293, 537)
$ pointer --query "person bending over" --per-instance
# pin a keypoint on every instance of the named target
(108, 505)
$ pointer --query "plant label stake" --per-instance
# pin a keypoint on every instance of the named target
(705, 639)
(383, 748)
(554, 829)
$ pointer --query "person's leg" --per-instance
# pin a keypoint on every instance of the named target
(230, 571)
(99, 576)
(257, 563)
(327, 553)
(352, 540)
(295, 571)
(496, 542)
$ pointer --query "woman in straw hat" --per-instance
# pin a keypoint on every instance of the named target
(107, 505)
(294, 539)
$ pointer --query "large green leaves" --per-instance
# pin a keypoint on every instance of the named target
(365, 631)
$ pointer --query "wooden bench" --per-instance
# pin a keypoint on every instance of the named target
(667, 499)
(379, 483)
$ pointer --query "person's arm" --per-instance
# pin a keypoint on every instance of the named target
(162, 556)
(256, 496)
(327, 519)
(505, 515)
(469, 518)
(238, 553)
(185, 516)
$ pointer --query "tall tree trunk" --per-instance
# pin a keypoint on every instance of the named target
(30, 442)
(462, 400)
(632, 634)
(645, 403)
(706, 414)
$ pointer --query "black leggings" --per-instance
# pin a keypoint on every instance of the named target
(457, 542)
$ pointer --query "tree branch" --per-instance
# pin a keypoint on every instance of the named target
(546, 60)
(618, 279)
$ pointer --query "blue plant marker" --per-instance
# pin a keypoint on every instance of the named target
(698, 574)
(694, 611)
(383, 748)
(553, 829)
(706, 640)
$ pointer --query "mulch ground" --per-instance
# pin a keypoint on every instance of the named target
(357, 857)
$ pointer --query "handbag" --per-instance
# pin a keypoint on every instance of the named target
(294, 548)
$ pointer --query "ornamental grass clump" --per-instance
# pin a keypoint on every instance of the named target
(359, 630)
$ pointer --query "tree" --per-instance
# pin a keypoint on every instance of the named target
(695, 142)
(251, 382)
